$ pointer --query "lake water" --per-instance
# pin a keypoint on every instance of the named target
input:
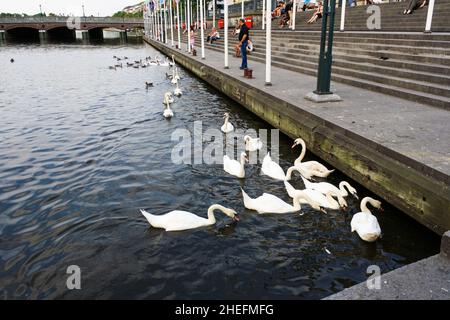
(83, 148)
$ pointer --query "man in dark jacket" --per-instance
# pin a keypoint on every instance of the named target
(243, 41)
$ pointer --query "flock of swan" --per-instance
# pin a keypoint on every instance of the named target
(318, 195)
(141, 63)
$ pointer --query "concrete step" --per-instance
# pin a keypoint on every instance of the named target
(384, 84)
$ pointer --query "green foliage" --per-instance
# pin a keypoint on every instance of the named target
(122, 14)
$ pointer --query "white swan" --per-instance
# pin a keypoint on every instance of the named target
(325, 201)
(168, 97)
(324, 187)
(165, 63)
(366, 224)
(268, 203)
(252, 144)
(227, 126)
(272, 169)
(168, 113)
(174, 80)
(183, 220)
(314, 167)
(177, 76)
(177, 91)
(235, 167)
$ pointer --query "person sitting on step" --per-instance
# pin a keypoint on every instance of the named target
(213, 36)
(286, 16)
(317, 14)
(413, 5)
(277, 11)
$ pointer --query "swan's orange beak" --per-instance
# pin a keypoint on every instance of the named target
(236, 218)
(381, 209)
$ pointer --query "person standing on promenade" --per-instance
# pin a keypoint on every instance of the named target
(243, 42)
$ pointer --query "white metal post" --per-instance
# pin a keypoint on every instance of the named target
(214, 13)
(196, 16)
(171, 22)
(242, 9)
(201, 29)
(429, 16)
(178, 24)
(225, 30)
(204, 13)
(188, 26)
(165, 23)
(268, 43)
(294, 11)
(343, 5)
(160, 25)
(263, 20)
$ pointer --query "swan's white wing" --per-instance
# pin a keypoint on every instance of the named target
(268, 203)
(227, 128)
(272, 169)
(181, 220)
(233, 167)
(366, 225)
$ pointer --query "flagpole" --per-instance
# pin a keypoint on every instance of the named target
(171, 22)
(201, 29)
(189, 26)
(178, 24)
(226, 34)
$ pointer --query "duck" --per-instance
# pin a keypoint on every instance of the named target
(12, 60)
(324, 187)
(268, 203)
(227, 127)
(148, 84)
(326, 201)
(366, 224)
(235, 167)
(169, 76)
(152, 63)
(314, 167)
(129, 64)
(252, 144)
(177, 91)
(119, 65)
(183, 220)
(112, 67)
(136, 66)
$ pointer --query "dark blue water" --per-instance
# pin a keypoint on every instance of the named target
(83, 148)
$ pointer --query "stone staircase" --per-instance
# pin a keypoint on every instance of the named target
(392, 18)
(412, 66)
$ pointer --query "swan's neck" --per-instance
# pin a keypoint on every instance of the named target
(296, 202)
(226, 121)
(289, 173)
(364, 205)
(211, 209)
(342, 188)
(302, 154)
